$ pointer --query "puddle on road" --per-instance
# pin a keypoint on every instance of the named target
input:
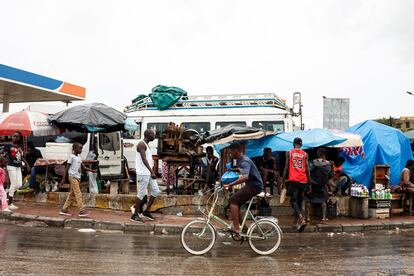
(87, 230)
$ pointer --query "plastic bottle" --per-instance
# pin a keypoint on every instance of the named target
(377, 194)
(372, 194)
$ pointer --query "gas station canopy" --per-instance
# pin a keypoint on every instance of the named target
(18, 86)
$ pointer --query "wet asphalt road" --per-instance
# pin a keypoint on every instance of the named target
(48, 251)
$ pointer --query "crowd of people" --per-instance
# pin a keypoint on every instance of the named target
(312, 182)
(308, 182)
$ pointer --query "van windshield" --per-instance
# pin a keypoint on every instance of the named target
(109, 141)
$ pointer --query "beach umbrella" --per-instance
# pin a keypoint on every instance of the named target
(94, 117)
(27, 123)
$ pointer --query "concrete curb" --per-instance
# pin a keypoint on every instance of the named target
(109, 226)
(168, 229)
(79, 223)
(52, 222)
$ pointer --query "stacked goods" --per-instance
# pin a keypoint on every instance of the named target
(380, 202)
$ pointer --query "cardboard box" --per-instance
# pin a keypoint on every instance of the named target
(58, 151)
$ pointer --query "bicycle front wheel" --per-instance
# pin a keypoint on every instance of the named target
(264, 237)
(198, 237)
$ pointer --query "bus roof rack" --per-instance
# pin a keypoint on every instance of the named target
(216, 101)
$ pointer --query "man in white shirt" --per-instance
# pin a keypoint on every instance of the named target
(145, 177)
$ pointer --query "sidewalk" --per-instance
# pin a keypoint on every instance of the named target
(110, 220)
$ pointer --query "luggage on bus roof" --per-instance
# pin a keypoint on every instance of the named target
(217, 134)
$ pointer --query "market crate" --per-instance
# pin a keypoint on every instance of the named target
(379, 213)
(379, 203)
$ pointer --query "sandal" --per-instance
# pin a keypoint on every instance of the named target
(231, 230)
(301, 224)
(325, 219)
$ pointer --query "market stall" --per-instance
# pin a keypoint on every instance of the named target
(383, 145)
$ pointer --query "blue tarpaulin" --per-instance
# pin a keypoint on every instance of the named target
(382, 145)
(313, 138)
(284, 141)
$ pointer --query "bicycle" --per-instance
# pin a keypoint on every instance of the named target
(199, 236)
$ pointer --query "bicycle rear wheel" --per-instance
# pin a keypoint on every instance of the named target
(198, 237)
(264, 237)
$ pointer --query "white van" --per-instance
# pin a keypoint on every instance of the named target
(204, 113)
(107, 146)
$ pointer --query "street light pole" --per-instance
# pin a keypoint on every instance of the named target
(297, 102)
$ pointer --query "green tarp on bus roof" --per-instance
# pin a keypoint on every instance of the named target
(165, 96)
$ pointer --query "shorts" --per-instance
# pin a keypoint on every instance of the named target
(244, 194)
(145, 181)
(296, 189)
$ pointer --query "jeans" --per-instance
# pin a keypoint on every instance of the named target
(15, 176)
(33, 172)
(342, 184)
(143, 181)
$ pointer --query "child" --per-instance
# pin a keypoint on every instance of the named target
(73, 169)
(3, 195)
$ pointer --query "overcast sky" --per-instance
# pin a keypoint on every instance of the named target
(363, 50)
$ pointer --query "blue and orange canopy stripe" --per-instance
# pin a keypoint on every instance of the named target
(41, 82)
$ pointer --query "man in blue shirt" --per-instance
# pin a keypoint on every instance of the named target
(249, 174)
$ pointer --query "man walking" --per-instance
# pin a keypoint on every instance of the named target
(296, 176)
(145, 177)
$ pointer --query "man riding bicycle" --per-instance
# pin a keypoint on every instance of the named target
(250, 175)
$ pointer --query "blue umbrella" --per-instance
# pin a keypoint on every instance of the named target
(131, 125)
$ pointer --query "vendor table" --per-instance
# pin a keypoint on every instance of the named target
(182, 163)
(42, 162)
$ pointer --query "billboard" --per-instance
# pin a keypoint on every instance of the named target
(336, 113)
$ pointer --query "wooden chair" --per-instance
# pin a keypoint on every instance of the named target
(397, 205)
(408, 203)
